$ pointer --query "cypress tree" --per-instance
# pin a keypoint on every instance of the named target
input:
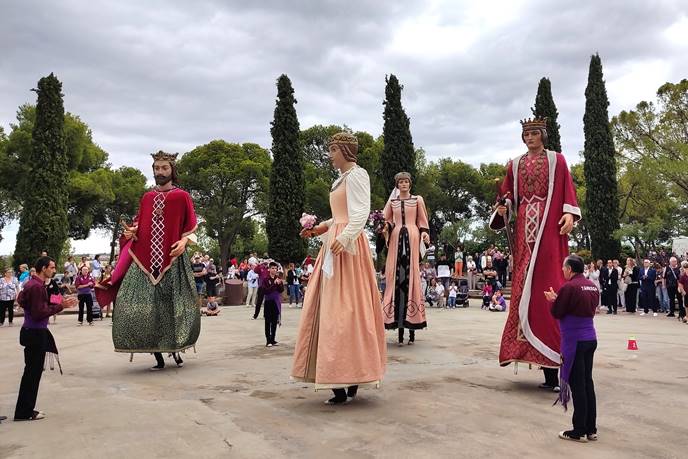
(287, 183)
(600, 167)
(544, 107)
(398, 154)
(43, 223)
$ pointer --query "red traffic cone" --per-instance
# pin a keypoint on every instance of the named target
(632, 344)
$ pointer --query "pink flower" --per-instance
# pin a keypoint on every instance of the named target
(308, 221)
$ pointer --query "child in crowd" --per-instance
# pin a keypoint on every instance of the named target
(487, 295)
(272, 289)
(498, 302)
(211, 308)
(453, 291)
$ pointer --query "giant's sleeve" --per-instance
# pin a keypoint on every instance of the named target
(497, 222)
(358, 204)
(570, 199)
(190, 222)
(422, 220)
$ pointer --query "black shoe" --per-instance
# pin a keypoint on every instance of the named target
(671, 314)
(351, 391)
(569, 435)
(178, 359)
(339, 397)
(158, 367)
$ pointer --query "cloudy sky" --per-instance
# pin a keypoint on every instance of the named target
(175, 74)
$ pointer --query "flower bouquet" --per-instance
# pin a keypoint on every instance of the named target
(308, 221)
(377, 221)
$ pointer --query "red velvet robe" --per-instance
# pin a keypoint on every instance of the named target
(531, 334)
(154, 239)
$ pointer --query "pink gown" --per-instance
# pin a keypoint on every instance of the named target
(341, 340)
(409, 219)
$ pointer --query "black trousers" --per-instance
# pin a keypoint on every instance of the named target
(631, 296)
(34, 359)
(551, 376)
(85, 299)
(648, 300)
(9, 306)
(501, 277)
(674, 297)
(271, 314)
(583, 389)
(259, 302)
(412, 335)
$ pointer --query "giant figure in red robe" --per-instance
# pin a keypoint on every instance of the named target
(539, 200)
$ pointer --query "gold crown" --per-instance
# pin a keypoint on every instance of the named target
(343, 137)
(162, 156)
(534, 123)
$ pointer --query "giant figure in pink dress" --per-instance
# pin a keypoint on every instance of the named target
(406, 221)
(341, 340)
(541, 200)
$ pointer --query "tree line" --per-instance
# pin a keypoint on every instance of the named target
(58, 182)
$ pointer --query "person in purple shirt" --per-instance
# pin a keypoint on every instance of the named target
(35, 336)
(262, 270)
(272, 289)
(84, 285)
(574, 307)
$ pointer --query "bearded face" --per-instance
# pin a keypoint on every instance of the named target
(163, 172)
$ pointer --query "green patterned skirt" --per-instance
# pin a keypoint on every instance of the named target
(157, 318)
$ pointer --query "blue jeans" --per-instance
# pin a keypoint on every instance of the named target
(663, 298)
(451, 301)
(199, 287)
(293, 293)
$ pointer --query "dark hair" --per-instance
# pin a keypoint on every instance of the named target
(576, 263)
(42, 263)
(272, 263)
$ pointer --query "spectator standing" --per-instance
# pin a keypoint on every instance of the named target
(96, 267)
(252, 279)
(458, 260)
(672, 275)
(609, 278)
(620, 285)
(70, 270)
(661, 292)
(211, 280)
(453, 291)
(199, 273)
(84, 285)
(489, 273)
(683, 286)
(471, 272)
(443, 271)
(293, 285)
(648, 275)
(631, 279)
(9, 289)
(430, 254)
(501, 265)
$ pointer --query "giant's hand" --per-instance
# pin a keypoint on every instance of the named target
(566, 223)
(179, 247)
(316, 231)
(426, 238)
(336, 247)
(501, 210)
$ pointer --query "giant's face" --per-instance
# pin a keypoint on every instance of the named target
(533, 138)
(162, 171)
(336, 156)
(404, 185)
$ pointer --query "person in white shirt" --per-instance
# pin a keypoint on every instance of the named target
(252, 277)
(96, 267)
(453, 291)
(471, 271)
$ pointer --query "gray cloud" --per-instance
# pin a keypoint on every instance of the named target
(173, 75)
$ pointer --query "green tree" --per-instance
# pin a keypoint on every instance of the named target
(9, 207)
(580, 233)
(398, 154)
(128, 184)
(314, 143)
(228, 183)
(287, 181)
(600, 167)
(654, 136)
(88, 188)
(43, 224)
(544, 107)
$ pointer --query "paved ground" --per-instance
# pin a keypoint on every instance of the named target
(444, 397)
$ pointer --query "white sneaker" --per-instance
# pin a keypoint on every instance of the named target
(642, 313)
(654, 314)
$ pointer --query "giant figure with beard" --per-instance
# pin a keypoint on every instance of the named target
(156, 305)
